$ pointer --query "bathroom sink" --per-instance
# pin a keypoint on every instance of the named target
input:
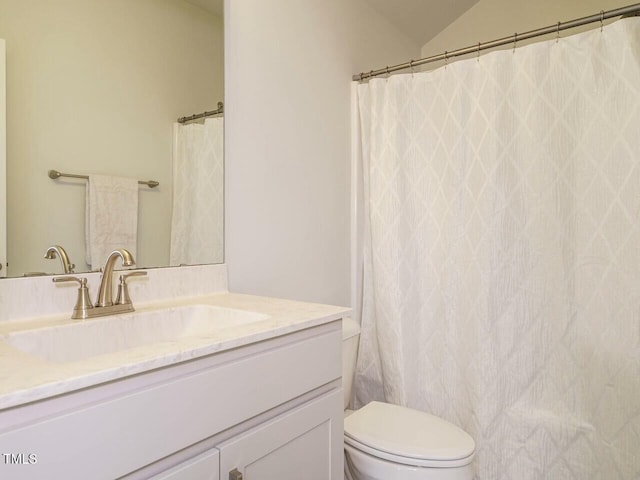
(89, 338)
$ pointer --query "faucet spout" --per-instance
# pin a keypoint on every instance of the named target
(105, 292)
(57, 251)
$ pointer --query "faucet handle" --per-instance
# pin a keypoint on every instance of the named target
(81, 281)
(123, 291)
(83, 301)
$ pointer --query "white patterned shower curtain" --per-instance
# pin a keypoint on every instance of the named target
(502, 253)
(197, 227)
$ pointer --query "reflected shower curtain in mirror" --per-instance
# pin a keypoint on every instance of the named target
(198, 205)
(502, 253)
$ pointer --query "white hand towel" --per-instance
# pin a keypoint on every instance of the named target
(111, 217)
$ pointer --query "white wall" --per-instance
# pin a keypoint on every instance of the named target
(287, 147)
(94, 87)
(491, 19)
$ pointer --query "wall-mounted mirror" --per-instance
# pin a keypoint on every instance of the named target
(96, 88)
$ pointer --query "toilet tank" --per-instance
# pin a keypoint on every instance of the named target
(350, 339)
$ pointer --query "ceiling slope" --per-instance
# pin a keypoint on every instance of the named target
(421, 20)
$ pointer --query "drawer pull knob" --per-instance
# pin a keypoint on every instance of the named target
(235, 474)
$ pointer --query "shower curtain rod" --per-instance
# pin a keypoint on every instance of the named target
(203, 114)
(559, 27)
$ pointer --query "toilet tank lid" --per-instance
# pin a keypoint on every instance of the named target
(408, 433)
(350, 328)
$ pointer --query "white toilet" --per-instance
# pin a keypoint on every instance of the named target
(390, 442)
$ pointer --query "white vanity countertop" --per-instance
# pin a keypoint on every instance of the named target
(25, 378)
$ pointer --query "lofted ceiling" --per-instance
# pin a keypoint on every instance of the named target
(421, 20)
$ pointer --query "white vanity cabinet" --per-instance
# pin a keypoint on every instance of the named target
(268, 410)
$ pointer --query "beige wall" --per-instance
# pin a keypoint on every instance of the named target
(491, 19)
(94, 87)
(288, 71)
(3, 152)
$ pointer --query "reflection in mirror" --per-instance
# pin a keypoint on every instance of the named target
(96, 88)
(196, 225)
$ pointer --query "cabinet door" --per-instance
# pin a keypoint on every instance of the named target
(305, 442)
(205, 466)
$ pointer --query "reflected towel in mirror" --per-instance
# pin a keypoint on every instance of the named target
(111, 217)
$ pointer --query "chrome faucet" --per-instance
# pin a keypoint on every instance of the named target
(57, 251)
(104, 304)
(105, 292)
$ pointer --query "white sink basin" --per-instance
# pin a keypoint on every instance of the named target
(98, 336)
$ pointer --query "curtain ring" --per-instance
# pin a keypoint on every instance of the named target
(371, 74)
(388, 71)
(478, 57)
(515, 41)
(558, 33)
(446, 60)
(361, 76)
(411, 67)
(601, 20)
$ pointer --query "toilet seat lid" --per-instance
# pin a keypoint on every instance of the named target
(408, 433)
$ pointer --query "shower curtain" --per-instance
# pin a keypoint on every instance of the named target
(198, 198)
(501, 284)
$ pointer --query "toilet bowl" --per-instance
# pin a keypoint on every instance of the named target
(391, 442)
